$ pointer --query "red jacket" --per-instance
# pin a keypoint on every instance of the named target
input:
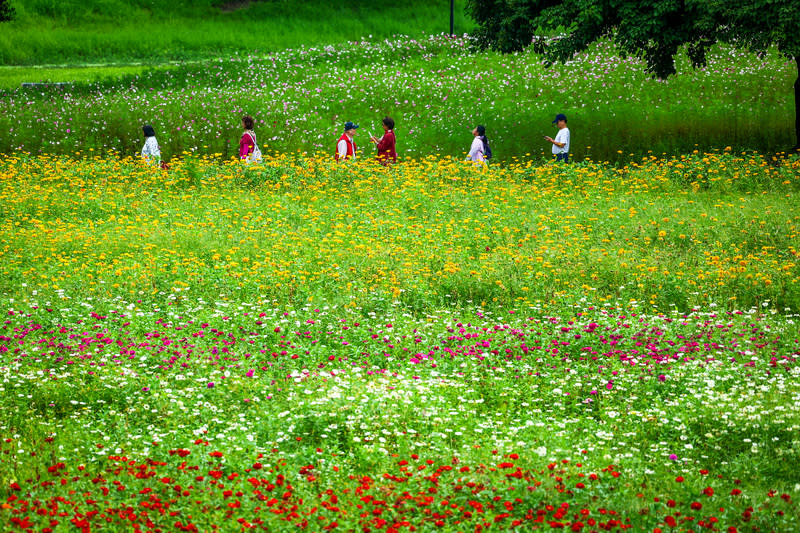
(386, 149)
(351, 147)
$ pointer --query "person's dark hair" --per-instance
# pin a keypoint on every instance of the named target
(389, 122)
(481, 130)
(248, 122)
(148, 130)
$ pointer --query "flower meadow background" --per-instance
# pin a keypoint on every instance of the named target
(430, 347)
(435, 87)
(302, 346)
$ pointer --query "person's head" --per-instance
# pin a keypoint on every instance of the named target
(350, 128)
(148, 130)
(479, 131)
(388, 123)
(248, 123)
(560, 120)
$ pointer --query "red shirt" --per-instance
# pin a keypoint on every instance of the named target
(246, 144)
(386, 148)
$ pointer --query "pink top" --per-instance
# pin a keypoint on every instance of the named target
(246, 144)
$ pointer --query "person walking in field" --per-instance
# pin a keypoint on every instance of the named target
(386, 144)
(561, 142)
(479, 151)
(248, 147)
(151, 153)
(346, 146)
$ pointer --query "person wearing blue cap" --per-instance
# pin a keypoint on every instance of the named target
(561, 142)
(346, 146)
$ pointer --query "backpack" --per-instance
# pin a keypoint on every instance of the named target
(255, 156)
(487, 151)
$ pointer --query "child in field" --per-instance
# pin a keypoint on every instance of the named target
(150, 151)
(386, 144)
(561, 142)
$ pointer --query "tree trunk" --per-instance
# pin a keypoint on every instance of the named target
(797, 107)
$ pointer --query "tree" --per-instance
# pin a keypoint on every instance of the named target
(6, 11)
(654, 30)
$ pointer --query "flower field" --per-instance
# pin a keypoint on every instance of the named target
(429, 347)
(436, 88)
(689, 231)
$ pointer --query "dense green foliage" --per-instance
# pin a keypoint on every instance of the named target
(6, 11)
(653, 29)
(77, 32)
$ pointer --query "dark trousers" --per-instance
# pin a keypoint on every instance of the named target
(562, 157)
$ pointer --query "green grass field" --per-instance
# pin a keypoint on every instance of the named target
(73, 32)
(13, 77)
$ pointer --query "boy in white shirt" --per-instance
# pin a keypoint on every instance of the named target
(561, 142)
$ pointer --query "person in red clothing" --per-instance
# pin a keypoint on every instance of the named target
(346, 145)
(248, 149)
(386, 144)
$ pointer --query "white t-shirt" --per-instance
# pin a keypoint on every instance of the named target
(476, 150)
(562, 137)
(151, 151)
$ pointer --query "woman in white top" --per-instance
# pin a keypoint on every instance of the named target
(151, 152)
(477, 151)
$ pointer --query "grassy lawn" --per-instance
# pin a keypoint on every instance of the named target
(120, 31)
(13, 77)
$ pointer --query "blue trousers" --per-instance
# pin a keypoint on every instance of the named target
(562, 157)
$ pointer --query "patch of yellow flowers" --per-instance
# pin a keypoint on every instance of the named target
(681, 231)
